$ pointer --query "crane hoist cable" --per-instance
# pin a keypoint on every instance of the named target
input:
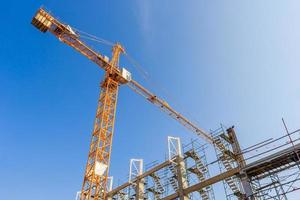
(93, 37)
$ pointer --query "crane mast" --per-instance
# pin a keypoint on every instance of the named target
(96, 173)
(97, 167)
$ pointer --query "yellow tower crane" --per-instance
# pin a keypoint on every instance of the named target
(97, 167)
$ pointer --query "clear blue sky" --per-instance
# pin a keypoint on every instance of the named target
(231, 62)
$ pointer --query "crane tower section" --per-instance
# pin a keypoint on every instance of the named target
(97, 167)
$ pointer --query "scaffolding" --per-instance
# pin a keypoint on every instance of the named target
(197, 169)
(277, 174)
(186, 172)
(226, 162)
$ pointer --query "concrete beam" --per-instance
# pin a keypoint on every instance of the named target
(151, 171)
(205, 183)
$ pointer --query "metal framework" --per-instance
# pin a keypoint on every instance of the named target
(272, 177)
(96, 173)
(276, 175)
(174, 178)
(97, 167)
(276, 185)
(171, 178)
(197, 169)
(228, 160)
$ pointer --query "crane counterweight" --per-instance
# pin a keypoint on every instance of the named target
(42, 20)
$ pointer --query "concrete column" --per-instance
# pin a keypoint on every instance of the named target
(241, 163)
(181, 178)
(139, 189)
(109, 198)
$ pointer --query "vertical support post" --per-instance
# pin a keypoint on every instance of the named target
(175, 154)
(280, 193)
(109, 186)
(136, 169)
(241, 163)
(140, 189)
(78, 195)
(181, 177)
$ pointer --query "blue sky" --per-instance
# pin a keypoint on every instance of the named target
(230, 62)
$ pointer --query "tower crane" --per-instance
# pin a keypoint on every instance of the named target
(97, 167)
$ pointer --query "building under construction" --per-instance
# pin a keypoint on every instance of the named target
(268, 170)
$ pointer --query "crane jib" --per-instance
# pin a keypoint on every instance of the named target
(163, 105)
